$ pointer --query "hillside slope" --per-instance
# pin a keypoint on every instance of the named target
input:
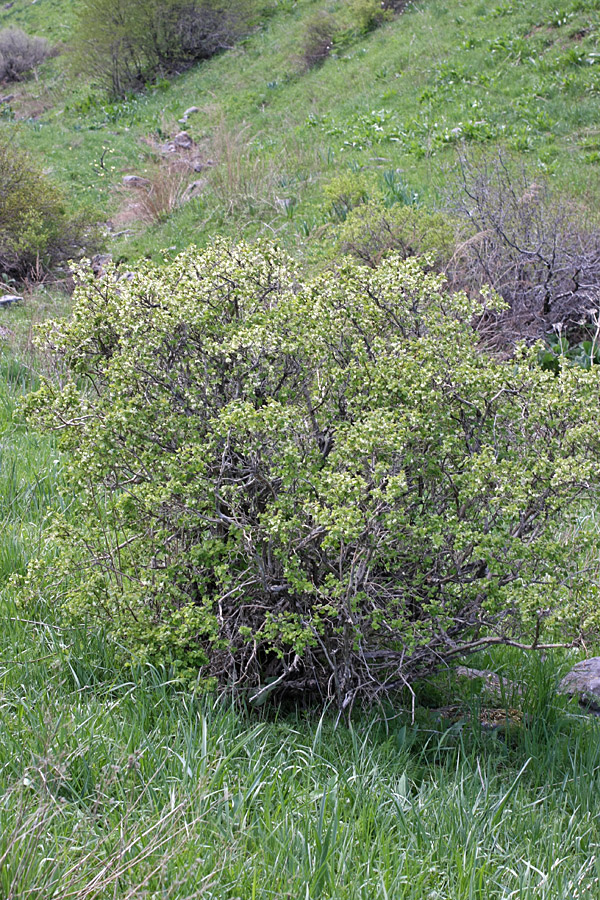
(392, 105)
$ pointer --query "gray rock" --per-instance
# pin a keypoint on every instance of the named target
(7, 98)
(191, 111)
(583, 682)
(183, 140)
(9, 299)
(100, 263)
(135, 181)
(195, 188)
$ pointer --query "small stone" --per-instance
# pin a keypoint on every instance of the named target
(194, 188)
(191, 111)
(183, 140)
(135, 181)
(583, 682)
(7, 98)
(8, 299)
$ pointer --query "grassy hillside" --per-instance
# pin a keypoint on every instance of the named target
(393, 104)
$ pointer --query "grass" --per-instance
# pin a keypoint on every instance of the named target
(117, 784)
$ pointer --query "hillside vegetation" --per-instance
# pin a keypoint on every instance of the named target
(328, 128)
(392, 105)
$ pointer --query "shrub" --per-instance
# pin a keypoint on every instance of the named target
(318, 486)
(20, 53)
(344, 192)
(373, 230)
(127, 43)
(318, 39)
(530, 247)
(369, 14)
(37, 231)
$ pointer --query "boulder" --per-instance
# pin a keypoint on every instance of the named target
(183, 140)
(135, 181)
(583, 682)
(9, 299)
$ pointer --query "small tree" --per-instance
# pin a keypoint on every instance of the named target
(37, 230)
(320, 486)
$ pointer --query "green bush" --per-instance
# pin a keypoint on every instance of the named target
(37, 231)
(124, 44)
(369, 14)
(372, 230)
(344, 192)
(321, 486)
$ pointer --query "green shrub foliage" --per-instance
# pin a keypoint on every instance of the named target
(371, 230)
(125, 44)
(322, 486)
(37, 230)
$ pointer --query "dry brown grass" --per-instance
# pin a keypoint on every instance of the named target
(242, 180)
(156, 201)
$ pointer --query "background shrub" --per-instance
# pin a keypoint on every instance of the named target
(372, 230)
(531, 247)
(126, 43)
(20, 53)
(346, 191)
(323, 486)
(318, 39)
(369, 14)
(37, 230)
